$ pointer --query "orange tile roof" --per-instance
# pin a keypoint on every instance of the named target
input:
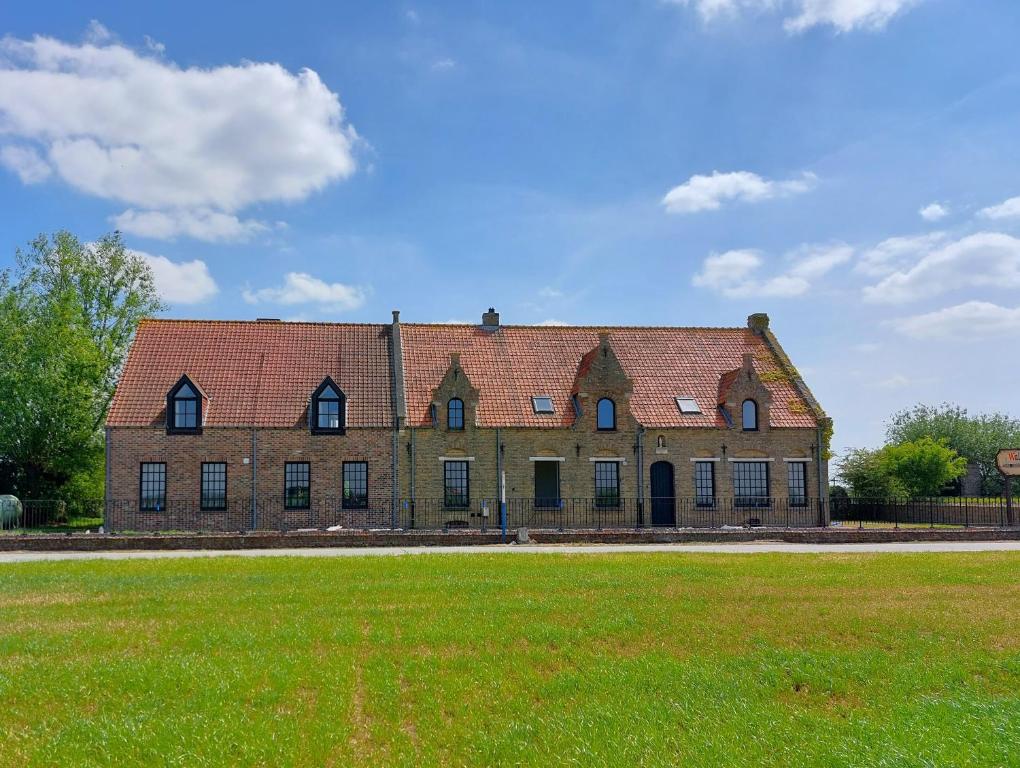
(512, 364)
(255, 373)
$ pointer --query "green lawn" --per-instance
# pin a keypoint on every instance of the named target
(658, 659)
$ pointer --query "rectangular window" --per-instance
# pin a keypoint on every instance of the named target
(185, 413)
(687, 405)
(547, 484)
(751, 483)
(704, 483)
(355, 485)
(214, 485)
(607, 484)
(297, 485)
(152, 487)
(329, 414)
(542, 404)
(797, 482)
(456, 484)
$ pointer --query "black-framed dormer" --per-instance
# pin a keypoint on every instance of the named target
(185, 406)
(327, 412)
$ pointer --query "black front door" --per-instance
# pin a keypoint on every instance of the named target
(663, 501)
(547, 484)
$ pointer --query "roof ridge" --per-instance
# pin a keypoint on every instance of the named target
(267, 323)
(586, 327)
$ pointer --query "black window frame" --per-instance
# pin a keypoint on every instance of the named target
(796, 471)
(743, 413)
(458, 503)
(172, 398)
(354, 502)
(605, 501)
(287, 499)
(702, 500)
(160, 505)
(313, 409)
(543, 411)
(598, 415)
(741, 470)
(449, 411)
(202, 504)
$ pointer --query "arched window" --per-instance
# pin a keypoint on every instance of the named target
(184, 407)
(455, 413)
(329, 412)
(606, 414)
(749, 416)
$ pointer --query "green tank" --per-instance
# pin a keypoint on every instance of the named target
(10, 511)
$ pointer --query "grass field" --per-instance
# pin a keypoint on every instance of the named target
(653, 659)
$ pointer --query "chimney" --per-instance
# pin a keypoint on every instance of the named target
(490, 319)
(396, 316)
(758, 322)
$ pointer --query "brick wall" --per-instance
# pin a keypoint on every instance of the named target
(183, 454)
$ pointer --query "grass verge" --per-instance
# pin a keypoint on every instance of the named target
(652, 659)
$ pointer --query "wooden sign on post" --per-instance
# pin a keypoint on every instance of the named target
(1008, 462)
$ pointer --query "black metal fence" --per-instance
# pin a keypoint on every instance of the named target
(269, 513)
(965, 512)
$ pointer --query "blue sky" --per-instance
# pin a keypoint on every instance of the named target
(646, 163)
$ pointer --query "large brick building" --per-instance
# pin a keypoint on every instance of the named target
(235, 425)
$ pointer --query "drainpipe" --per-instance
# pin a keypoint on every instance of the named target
(106, 485)
(821, 491)
(414, 450)
(254, 479)
(640, 475)
(499, 488)
(396, 477)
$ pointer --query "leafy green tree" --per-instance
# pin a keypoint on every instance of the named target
(867, 476)
(67, 316)
(978, 438)
(922, 467)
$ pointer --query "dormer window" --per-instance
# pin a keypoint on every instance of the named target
(749, 416)
(542, 404)
(455, 414)
(329, 409)
(184, 408)
(606, 415)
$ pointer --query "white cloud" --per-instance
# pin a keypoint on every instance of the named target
(185, 282)
(896, 381)
(551, 322)
(443, 65)
(1008, 209)
(933, 212)
(967, 321)
(26, 162)
(897, 253)
(199, 223)
(734, 273)
(302, 288)
(133, 127)
(708, 193)
(843, 15)
(981, 260)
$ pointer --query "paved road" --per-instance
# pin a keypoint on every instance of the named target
(585, 549)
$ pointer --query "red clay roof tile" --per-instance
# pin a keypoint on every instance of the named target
(255, 373)
(512, 364)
